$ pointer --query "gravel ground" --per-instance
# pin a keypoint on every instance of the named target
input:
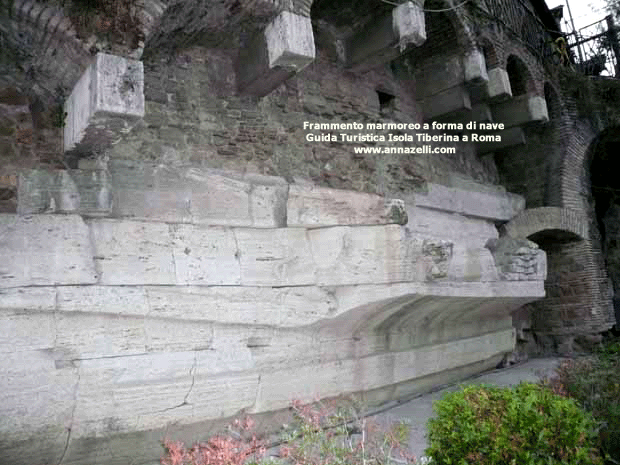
(417, 412)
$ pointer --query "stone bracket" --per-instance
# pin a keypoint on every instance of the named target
(383, 40)
(284, 48)
(510, 138)
(499, 84)
(521, 110)
(105, 103)
(451, 103)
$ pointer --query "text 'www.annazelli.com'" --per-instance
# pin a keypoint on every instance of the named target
(405, 150)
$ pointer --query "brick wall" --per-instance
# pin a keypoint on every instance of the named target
(195, 116)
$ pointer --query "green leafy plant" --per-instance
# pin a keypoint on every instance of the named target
(594, 382)
(524, 425)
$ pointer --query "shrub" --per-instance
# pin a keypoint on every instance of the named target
(594, 382)
(319, 435)
(524, 425)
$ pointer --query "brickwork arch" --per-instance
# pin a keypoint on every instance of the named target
(489, 51)
(536, 220)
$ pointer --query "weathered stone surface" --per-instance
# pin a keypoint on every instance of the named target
(475, 67)
(409, 24)
(499, 84)
(312, 206)
(156, 253)
(385, 38)
(145, 391)
(45, 250)
(161, 193)
(290, 41)
(87, 192)
(275, 257)
(518, 259)
(348, 376)
(284, 307)
(494, 206)
(450, 102)
(453, 227)
(366, 254)
(438, 74)
(510, 138)
(521, 110)
(35, 392)
(285, 47)
(105, 103)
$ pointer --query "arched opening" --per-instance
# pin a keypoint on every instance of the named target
(605, 188)
(518, 74)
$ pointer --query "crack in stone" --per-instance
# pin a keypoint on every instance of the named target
(70, 428)
(192, 372)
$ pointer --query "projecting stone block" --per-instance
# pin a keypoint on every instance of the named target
(156, 253)
(480, 113)
(448, 103)
(45, 250)
(367, 254)
(475, 67)
(313, 206)
(87, 192)
(493, 206)
(521, 110)
(242, 305)
(409, 24)
(499, 84)
(437, 74)
(347, 376)
(518, 259)
(284, 48)
(290, 41)
(275, 257)
(384, 39)
(509, 138)
(209, 197)
(105, 104)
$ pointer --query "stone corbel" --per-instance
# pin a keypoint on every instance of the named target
(521, 110)
(518, 259)
(284, 48)
(388, 37)
(106, 102)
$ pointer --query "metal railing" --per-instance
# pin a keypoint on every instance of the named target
(519, 18)
(595, 48)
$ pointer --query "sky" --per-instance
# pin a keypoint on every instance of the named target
(585, 12)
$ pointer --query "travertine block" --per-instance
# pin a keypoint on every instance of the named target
(133, 253)
(365, 254)
(386, 37)
(521, 110)
(499, 84)
(275, 257)
(157, 253)
(312, 206)
(87, 192)
(105, 104)
(475, 67)
(493, 206)
(450, 102)
(285, 47)
(209, 197)
(285, 307)
(45, 250)
(290, 41)
(308, 382)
